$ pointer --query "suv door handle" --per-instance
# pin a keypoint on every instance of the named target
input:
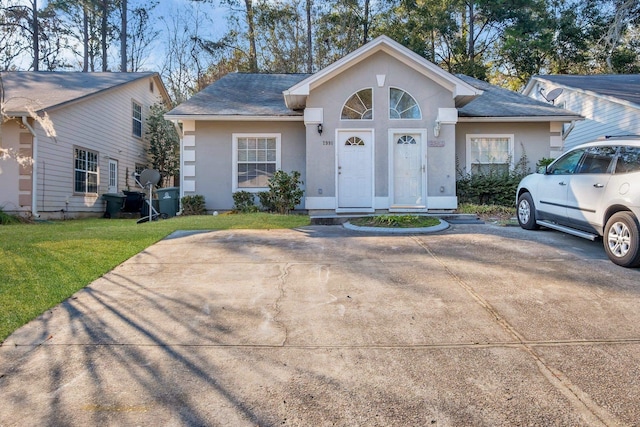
(562, 183)
(598, 185)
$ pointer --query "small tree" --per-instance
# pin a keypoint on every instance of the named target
(164, 144)
(284, 192)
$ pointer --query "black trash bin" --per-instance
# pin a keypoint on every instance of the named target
(133, 202)
(169, 200)
(145, 207)
(115, 202)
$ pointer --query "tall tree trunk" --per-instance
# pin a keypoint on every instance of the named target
(471, 51)
(253, 59)
(103, 32)
(365, 29)
(35, 28)
(85, 36)
(309, 39)
(123, 38)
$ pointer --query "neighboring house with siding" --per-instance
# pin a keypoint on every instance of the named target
(610, 103)
(69, 137)
(382, 129)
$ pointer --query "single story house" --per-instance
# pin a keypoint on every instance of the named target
(69, 137)
(609, 103)
(382, 129)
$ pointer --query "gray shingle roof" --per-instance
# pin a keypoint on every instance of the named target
(254, 95)
(42, 90)
(499, 102)
(242, 94)
(621, 86)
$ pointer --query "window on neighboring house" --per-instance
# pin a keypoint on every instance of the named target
(137, 120)
(256, 159)
(86, 171)
(489, 153)
(359, 106)
(402, 105)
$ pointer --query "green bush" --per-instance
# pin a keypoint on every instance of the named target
(193, 205)
(544, 162)
(492, 186)
(6, 218)
(266, 201)
(243, 201)
(284, 192)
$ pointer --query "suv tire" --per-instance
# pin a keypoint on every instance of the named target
(526, 212)
(621, 239)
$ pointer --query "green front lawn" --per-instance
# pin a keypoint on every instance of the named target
(43, 264)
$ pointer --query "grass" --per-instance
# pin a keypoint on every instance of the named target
(45, 263)
(493, 211)
(401, 221)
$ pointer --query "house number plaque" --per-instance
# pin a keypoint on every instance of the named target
(327, 142)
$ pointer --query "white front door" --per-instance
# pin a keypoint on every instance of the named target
(408, 170)
(113, 176)
(355, 169)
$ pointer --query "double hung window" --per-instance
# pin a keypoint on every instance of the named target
(256, 159)
(136, 119)
(489, 153)
(86, 171)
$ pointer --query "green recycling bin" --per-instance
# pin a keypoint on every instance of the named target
(115, 202)
(168, 201)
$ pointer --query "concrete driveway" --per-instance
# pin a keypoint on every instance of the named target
(477, 325)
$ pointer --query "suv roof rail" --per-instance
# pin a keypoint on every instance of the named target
(630, 136)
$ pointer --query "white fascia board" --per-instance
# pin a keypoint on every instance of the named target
(528, 119)
(530, 85)
(235, 118)
(396, 50)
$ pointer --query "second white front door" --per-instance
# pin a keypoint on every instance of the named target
(408, 170)
(355, 169)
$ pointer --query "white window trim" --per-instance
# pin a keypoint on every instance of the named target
(133, 104)
(490, 135)
(234, 158)
(86, 172)
(408, 93)
(373, 104)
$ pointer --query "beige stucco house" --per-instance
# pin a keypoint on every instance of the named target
(69, 137)
(380, 130)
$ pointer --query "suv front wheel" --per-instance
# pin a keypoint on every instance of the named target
(622, 240)
(526, 212)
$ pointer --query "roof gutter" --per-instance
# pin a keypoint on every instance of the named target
(34, 168)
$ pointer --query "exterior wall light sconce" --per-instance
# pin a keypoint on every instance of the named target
(446, 116)
(320, 128)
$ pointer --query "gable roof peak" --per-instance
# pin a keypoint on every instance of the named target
(295, 96)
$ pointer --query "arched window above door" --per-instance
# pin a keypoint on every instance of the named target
(359, 106)
(354, 140)
(406, 140)
(402, 105)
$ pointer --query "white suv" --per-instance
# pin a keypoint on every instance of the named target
(590, 191)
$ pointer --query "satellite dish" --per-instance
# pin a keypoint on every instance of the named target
(553, 95)
(149, 177)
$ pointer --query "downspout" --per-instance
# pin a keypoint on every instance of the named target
(181, 193)
(566, 133)
(34, 168)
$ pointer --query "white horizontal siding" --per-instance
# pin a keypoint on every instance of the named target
(602, 116)
(102, 124)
